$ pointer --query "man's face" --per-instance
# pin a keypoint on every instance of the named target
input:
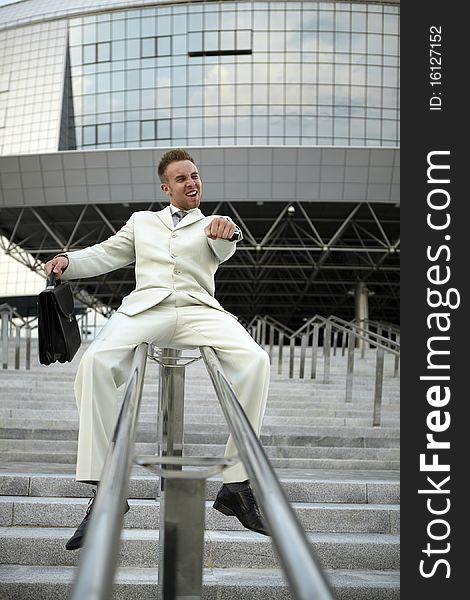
(183, 186)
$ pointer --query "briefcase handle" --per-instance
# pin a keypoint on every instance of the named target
(51, 281)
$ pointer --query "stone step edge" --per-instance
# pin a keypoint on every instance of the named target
(63, 575)
(144, 514)
(285, 475)
(136, 502)
(18, 533)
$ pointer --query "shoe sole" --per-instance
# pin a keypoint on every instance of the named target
(225, 510)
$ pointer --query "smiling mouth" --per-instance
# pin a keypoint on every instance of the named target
(192, 193)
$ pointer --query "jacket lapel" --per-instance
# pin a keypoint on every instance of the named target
(191, 217)
(166, 218)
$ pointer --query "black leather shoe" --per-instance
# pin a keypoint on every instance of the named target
(76, 541)
(236, 499)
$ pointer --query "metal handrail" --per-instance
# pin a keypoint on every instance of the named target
(384, 324)
(7, 316)
(347, 326)
(303, 572)
(13, 312)
(341, 325)
(95, 575)
(365, 334)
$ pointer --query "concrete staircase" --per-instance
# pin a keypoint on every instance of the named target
(340, 473)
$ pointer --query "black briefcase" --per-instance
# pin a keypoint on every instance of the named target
(58, 332)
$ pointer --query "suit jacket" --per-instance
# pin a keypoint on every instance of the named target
(167, 258)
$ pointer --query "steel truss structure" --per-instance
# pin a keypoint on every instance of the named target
(296, 258)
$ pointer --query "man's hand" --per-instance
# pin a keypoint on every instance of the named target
(220, 228)
(56, 265)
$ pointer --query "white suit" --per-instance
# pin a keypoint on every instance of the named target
(173, 305)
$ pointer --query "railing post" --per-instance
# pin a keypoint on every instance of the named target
(291, 358)
(5, 322)
(335, 341)
(350, 367)
(271, 343)
(17, 346)
(379, 375)
(362, 343)
(397, 358)
(263, 334)
(313, 368)
(170, 416)
(182, 501)
(303, 349)
(281, 347)
(28, 347)
(258, 332)
(344, 338)
(85, 326)
(326, 353)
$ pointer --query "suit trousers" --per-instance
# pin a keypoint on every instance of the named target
(178, 322)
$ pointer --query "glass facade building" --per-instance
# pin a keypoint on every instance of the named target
(225, 73)
(209, 73)
(279, 102)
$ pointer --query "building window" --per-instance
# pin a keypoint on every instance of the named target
(155, 129)
(220, 43)
(95, 53)
(155, 46)
(93, 135)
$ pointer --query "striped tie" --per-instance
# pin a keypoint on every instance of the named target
(177, 216)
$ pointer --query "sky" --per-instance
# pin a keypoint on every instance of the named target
(3, 2)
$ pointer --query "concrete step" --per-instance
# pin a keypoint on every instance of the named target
(342, 479)
(288, 421)
(47, 409)
(222, 549)
(144, 514)
(277, 451)
(286, 462)
(341, 486)
(54, 583)
(281, 463)
(293, 435)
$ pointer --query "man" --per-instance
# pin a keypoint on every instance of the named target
(172, 305)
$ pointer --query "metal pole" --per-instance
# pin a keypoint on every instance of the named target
(279, 358)
(291, 358)
(326, 353)
(335, 342)
(170, 416)
(258, 332)
(379, 376)
(182, 501)
(397, 359)
(28, 347)
(263, 334)
(350, 366)
(303, 349)
(362, 343)
(313, 369)
(5, 319)
(343, 342)
(271, 343)
(85, 332)
(17, 346)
